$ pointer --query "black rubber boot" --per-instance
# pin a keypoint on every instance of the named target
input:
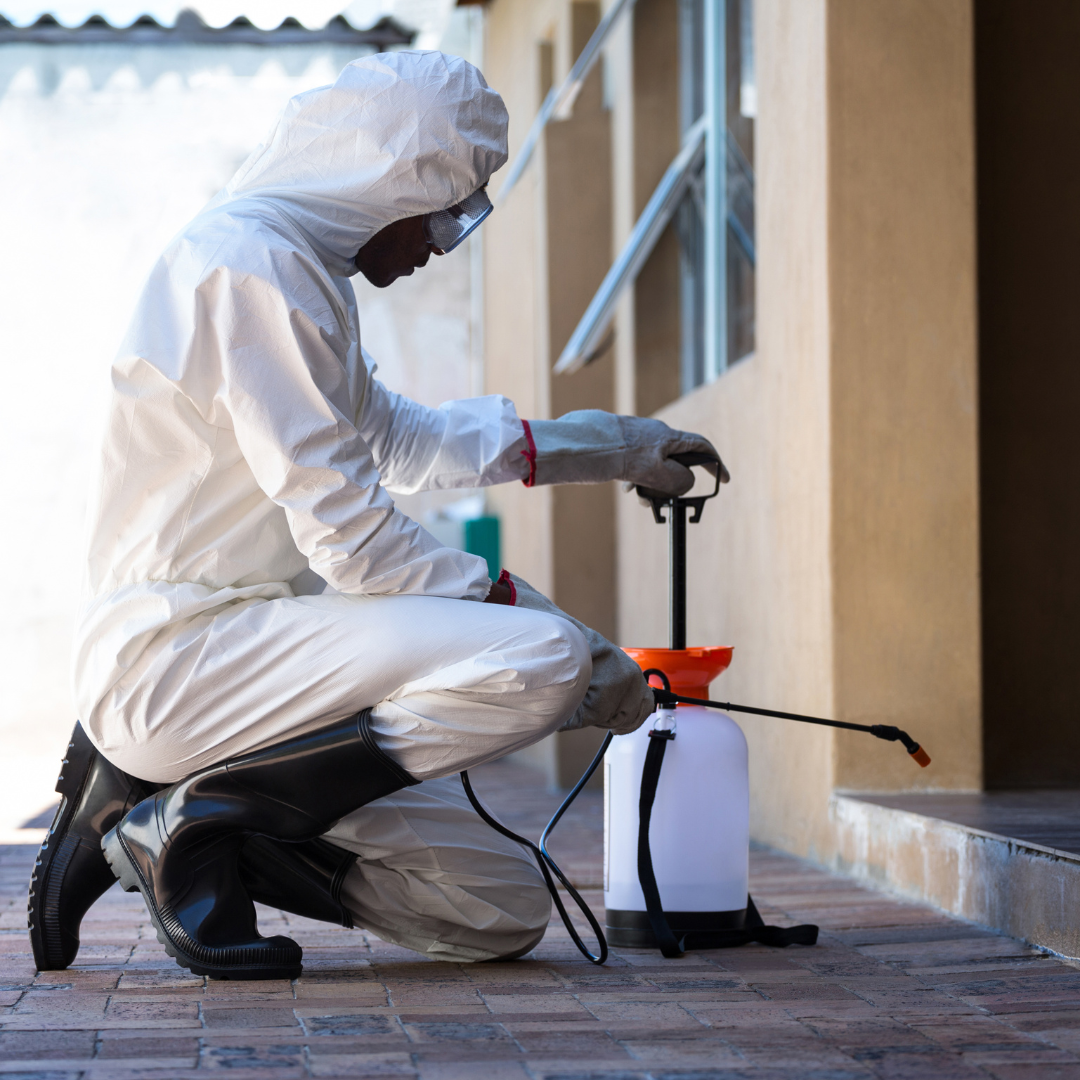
(181, 847)
(304, 879)
(71, 872)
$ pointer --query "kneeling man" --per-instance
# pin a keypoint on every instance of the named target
(241, 737)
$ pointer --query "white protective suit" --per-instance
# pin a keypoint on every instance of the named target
(247, 441)
(248, 444)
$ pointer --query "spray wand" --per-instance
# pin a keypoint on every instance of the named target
(676, 520)
(667, 699)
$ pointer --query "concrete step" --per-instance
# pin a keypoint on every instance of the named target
(1007, 860)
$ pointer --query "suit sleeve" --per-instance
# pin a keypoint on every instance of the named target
(283, 386)
(474, 442)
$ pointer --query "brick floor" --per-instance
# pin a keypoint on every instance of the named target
(892, 990)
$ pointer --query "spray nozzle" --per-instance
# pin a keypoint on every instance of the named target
(895, 734)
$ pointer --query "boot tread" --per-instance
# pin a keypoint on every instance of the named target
(47, 879)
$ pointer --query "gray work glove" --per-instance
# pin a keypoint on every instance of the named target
(618, 697)
(591, 446)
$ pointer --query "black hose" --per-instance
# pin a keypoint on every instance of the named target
(544, 860)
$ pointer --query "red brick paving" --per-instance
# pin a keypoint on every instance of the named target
(892, 990)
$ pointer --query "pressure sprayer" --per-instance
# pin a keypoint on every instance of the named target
(677, 838)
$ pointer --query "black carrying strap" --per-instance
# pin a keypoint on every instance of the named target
(650, 777)
(753, 930)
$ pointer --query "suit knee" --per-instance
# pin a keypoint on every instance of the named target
(565, 668)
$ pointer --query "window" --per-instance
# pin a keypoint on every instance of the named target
(718, 103)
(741, 111)
(732, 274)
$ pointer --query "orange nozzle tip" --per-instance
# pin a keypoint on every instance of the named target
(922, 757)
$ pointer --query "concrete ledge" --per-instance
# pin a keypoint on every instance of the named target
(1019, 887)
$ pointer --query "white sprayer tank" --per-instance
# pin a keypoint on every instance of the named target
(700, 831)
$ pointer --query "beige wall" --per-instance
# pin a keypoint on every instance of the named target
(578, 214)
(842, 560)
(904, 447)
(515, 293)
(759, 560)
(654, 101)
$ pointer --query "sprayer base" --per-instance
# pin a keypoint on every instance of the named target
(631, 929)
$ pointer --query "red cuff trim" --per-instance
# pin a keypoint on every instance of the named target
(504, 579)
(530, 456)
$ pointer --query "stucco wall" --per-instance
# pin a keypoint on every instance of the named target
(546, 251)
(759, 560)
(515, 275)
(903, 377)
(842, 560)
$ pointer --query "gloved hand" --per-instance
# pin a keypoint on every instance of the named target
(591, 446)
(618, 697)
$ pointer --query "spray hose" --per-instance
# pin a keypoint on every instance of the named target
(667, 699)
(548, 865)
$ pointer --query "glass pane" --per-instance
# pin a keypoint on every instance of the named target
(690, 219)
(741, 257)
(690, 222)
(741, 111)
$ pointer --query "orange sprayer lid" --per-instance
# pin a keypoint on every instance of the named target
(690, 670)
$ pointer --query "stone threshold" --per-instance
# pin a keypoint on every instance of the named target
(1009, 861)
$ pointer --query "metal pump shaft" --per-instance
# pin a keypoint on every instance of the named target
(676, 507)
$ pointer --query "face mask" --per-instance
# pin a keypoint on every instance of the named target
(445, 229)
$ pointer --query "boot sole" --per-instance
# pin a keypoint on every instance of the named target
(57, 850)
(214, 963)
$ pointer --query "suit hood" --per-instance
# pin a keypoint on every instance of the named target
(396, 135)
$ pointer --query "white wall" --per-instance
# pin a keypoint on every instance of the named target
(104, 153)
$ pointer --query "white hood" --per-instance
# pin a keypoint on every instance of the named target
(397, 135)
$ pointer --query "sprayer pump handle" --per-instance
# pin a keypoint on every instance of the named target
(688, 459)
(696, 457)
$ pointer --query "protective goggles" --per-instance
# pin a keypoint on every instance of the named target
(445, 229)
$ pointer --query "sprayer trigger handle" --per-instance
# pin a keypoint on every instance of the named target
(659, 499)
(696, 457)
